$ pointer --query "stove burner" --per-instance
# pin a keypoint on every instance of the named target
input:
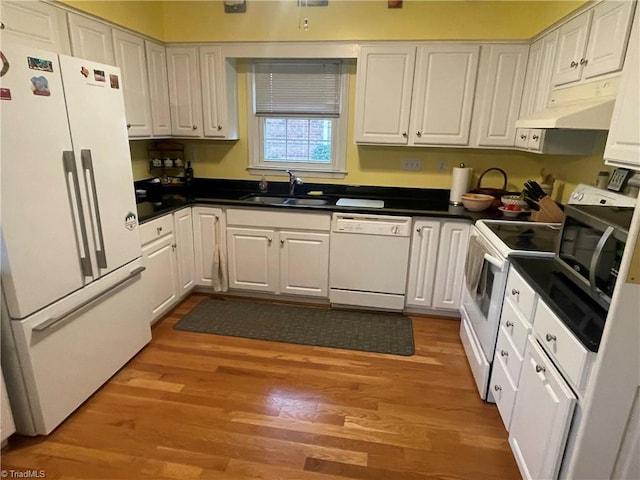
(540, 237)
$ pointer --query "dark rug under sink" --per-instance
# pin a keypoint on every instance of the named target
(320, 326)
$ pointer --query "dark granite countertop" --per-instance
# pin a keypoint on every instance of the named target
(154, 199)
(577, 310)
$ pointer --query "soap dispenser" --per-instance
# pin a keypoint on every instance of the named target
(263, 185)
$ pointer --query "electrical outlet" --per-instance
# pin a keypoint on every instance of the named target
(412, 164)
(442, 166)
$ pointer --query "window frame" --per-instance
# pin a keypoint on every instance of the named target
(336, 169)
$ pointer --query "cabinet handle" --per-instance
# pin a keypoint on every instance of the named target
(497, 388)
(418, 230)
(1, 25)
(219, 127)
(574, 64)
(195, 127)
(282, 243)
(583, 61)
(173, 246)
(269, 240)
(535, 137)
(404, 134)
(159, 229)
(509, 324)
(128, 126)
(504, 353)
(550, 338)
(540, 368)
(515, 292)
(523, 137)
(419, 134)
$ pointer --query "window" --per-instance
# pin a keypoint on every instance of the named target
(297, 116)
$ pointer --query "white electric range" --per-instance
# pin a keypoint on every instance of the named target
(491, 244)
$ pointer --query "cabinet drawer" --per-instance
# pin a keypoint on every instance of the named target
(514, 325)
(503, 391)
(521, 294)
(567, 351)
(156, 228)
(507, 354)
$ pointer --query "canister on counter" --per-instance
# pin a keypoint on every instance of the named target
(603, 179)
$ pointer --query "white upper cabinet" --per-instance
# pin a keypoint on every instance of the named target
(91, 39)
(500, 84)
(35, 24)
(219, 98)
(593, 43)
(408, 95)
(623, 142)
(130, 57)
(158, 89)
(443, 91)
(383, 94)
(184, 91)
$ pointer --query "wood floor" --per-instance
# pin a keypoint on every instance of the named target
(202, 406)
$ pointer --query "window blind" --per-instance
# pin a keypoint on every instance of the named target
(297, 88)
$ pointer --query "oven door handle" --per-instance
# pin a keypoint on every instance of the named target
(595, 260)
(493, 260)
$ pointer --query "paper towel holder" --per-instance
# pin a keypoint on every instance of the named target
(459, 184)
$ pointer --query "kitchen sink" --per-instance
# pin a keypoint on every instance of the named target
(293, 201)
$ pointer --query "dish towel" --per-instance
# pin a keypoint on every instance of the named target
(473, 264)
(219, 279)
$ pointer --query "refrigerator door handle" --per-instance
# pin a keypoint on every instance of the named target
(87, 165)
(75, 201)
(50, 322)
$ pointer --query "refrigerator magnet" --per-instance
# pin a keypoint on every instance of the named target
(114, 81)
(130, 221)
(99, 75)
(40, 86)
(84, 72)
(39, 64)
(5, 94)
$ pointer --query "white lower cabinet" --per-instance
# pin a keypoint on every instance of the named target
(209, 245)
(183, 224)
(541, 416)
(436, 264)
(278, 252)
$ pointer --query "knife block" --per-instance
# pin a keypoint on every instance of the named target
(549, 212)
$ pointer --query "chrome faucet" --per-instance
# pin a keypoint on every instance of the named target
(293, 181)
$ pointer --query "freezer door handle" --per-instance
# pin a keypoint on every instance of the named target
(69, 162)
(54, 320)
(87, 165)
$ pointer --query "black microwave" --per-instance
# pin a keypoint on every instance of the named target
(590, 248)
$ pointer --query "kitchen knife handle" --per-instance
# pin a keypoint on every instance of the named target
(69, 162)
(54, 320)
(87, 165)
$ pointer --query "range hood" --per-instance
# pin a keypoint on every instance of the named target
(584, 107)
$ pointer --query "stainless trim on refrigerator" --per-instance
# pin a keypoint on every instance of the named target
(595, 259)
(87, 164)
(54, 320)
(69, 162)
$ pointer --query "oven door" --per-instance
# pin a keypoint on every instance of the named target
(480, 311)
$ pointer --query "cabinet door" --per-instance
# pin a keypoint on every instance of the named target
(542, 88)
(253, 259)
(454, 240)
(7, 426)
(184, 91)
(531, 80)
(443, 90)
(160, 276)
(130, 57)
(572, 42)
(422, 263)
(541, 416)
(158, 89)
(213, 92)
(502, 74)
(304, 263)
(522, 137)
(608, 38)
(35, 24)
(183, 228)
(208, 231)
(383, 94)
(91, 40)
(623, 142)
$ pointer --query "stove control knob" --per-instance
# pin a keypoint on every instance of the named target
(395, 230)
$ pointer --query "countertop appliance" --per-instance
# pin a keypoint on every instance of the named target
(592, 241)
(71, 259)
(369, 260)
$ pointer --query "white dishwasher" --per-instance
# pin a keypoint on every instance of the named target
(369, 260)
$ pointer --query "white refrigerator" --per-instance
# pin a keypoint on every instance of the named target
(73, 309)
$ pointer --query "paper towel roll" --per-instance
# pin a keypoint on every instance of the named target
(459, 184)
